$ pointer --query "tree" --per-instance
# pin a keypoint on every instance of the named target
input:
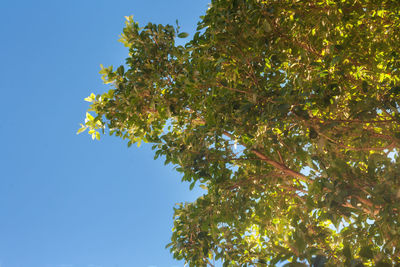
(287, 113)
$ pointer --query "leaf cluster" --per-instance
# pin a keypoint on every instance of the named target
(287, 113)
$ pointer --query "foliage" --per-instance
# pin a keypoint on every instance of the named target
(287, 113)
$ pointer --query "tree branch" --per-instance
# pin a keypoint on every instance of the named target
(276, 164)
(281, 167)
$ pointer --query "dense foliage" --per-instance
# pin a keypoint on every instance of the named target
(287, 113)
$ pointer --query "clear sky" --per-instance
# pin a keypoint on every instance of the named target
(65, 200)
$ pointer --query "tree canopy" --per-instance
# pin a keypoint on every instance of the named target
(287, 113)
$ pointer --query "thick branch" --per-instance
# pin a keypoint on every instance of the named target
(276, 164)
(281, 167)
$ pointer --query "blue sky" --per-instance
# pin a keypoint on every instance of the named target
(65, 200)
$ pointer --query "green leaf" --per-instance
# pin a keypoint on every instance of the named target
(120, 70)
(183, 35)
(192, 185)
(90, 98)
(267, 26)
(89, 117)
(169, 245)
(203, 187)
(82, 129)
